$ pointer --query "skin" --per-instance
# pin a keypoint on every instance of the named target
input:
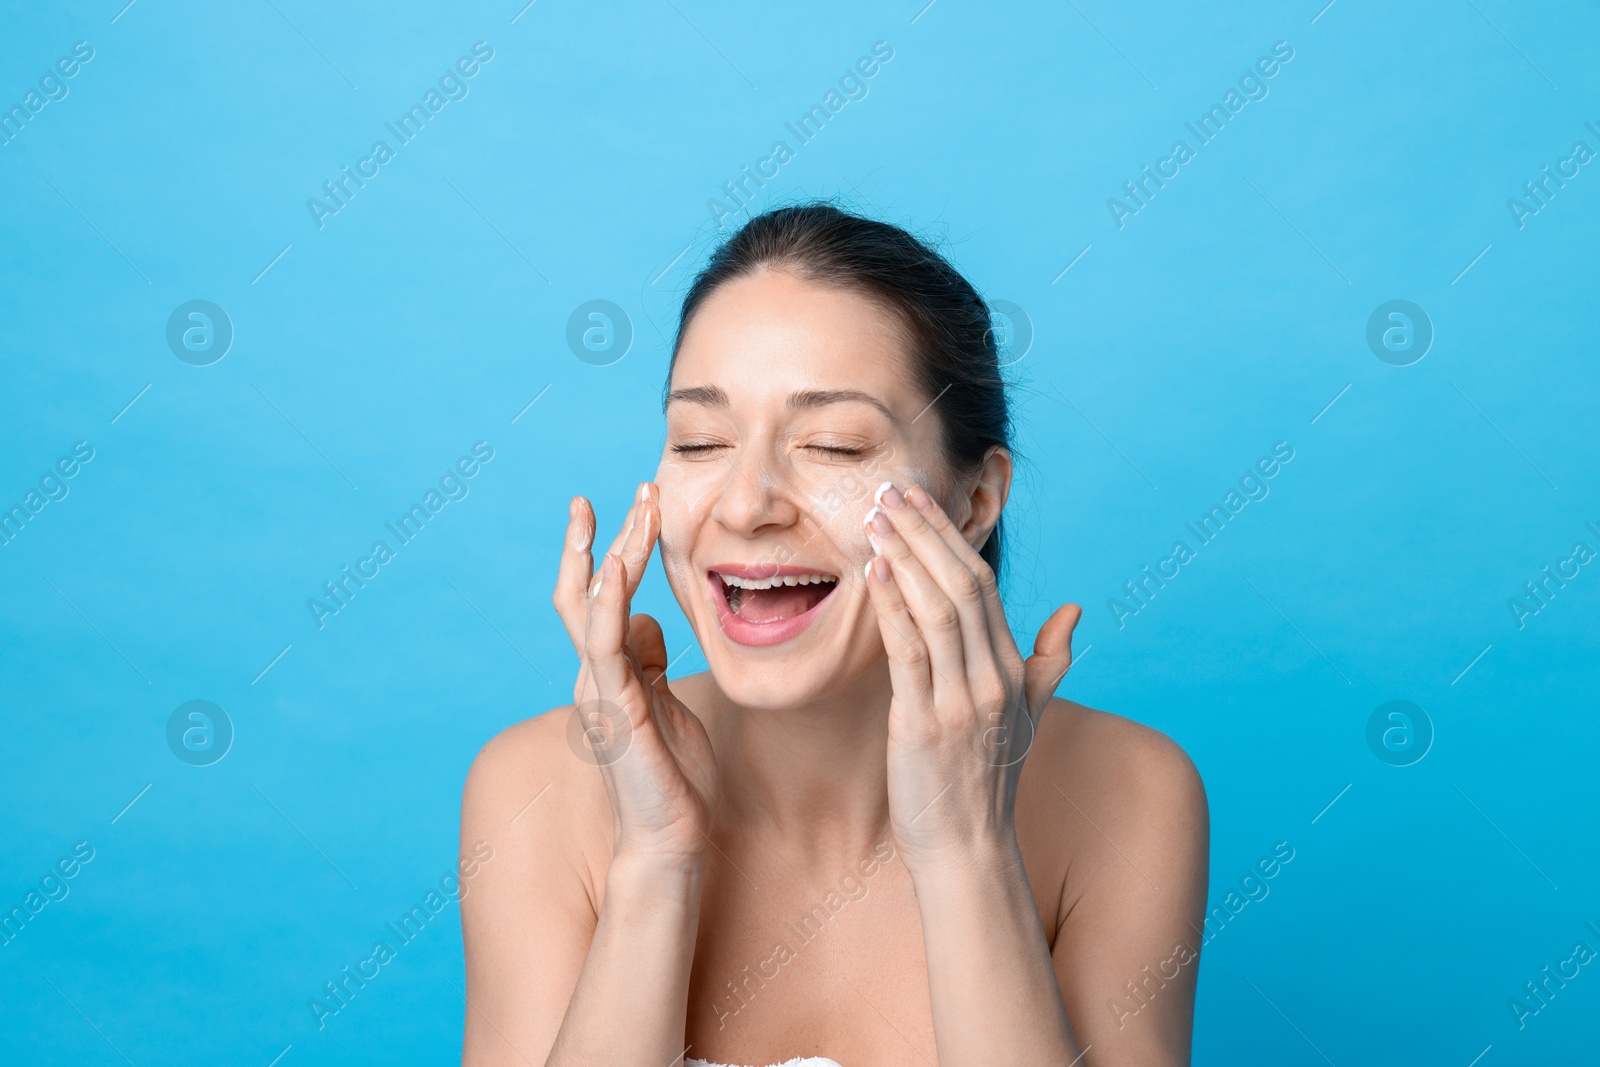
(994, 868)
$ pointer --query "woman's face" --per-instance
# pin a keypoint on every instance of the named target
(790, 403)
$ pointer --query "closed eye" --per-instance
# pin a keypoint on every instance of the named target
(700, 448)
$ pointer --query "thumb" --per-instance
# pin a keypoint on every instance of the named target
(1052, 655)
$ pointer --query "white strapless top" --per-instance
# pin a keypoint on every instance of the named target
(798, 1061)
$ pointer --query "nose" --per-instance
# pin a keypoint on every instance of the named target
(755, 496)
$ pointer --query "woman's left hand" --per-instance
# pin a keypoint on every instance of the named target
(965, 703)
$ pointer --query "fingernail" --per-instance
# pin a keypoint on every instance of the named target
(880, 523)
(877, 494)
(891, 498)
(646, 491)
(641, 492)
(920, 497)
(880, 567)
(869, 523)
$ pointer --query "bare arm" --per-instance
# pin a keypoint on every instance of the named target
(960, 722)
(1125, 961)
(547, 977)
(1127, 952)
(990, 977)
(558, 975)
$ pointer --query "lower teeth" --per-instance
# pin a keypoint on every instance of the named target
(736, 597)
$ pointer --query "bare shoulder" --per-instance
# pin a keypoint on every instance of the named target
(1115, 816)
(1102, 795)
(1107, 757)
(532, 798)
(536, 823)
(533, 750)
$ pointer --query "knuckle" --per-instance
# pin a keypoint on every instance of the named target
(984, 574)
(914, 654)
(966, 586)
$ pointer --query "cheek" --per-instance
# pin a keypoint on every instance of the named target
(686, 493)
(840, 506)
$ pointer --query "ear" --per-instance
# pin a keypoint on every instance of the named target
(988, 497)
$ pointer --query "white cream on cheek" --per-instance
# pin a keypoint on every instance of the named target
(828, 532)
(840, 511)
(833, 510)
(684, 501)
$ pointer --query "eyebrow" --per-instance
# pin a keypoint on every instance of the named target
(706, 395)
(712, 396)
(818, 398)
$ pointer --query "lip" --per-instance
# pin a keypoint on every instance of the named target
(761, 634)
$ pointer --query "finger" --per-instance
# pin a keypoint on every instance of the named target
(629, 521)
(907, 652)
(952, 576)
(640, 541)
(577, 565)
(603, 650)
(1052, 656)
(989, 589)
(937, 620)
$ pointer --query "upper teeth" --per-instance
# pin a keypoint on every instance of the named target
(768, 583)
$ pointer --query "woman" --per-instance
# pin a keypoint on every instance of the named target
(829, 844)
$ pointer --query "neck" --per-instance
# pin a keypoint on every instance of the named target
(813, 776)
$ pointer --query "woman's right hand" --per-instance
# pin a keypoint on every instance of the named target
(653, 753)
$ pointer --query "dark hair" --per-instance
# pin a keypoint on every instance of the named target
(949, 325)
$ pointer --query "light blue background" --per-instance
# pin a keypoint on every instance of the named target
(429, 312)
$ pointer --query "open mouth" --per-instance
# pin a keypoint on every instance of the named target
(759, 607)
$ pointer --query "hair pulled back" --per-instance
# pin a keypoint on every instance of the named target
(954, 360)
